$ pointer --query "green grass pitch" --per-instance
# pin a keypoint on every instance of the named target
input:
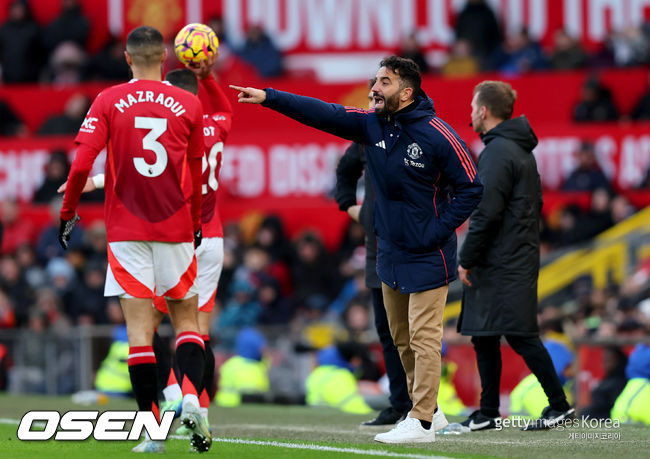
(264, 431)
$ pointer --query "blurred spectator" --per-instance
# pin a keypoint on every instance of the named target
(10, 124)
(95, 242)
(241, 311)
(313, 273)
(261, 53)
(621, 209)
(56, 172)
(478, 24)
(354, 287)
(32, 272)
(333, 384)
(604, 56)
(66, 65)
(88, 304)
(632, 404)
(588, 225)
(48, 245)
(642, 108)
(70, 120)
(461, 63)
(411, 49)
(595, 103)
(69, 25)
(276, 309)
(109, 63)
(16, 230)
(14, 285)
(7, 316)
(629, 47)
(216, 24)
(21, 52)
(272, 238)
(245, 375)
(113, 374)
(605, 393)
(448, 398)
(522, 55)
(357, 321)
(567, 52)
(587, 176)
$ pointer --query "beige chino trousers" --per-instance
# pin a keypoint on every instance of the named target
(415, 322)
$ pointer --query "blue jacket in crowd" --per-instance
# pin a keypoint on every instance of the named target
(425, 183)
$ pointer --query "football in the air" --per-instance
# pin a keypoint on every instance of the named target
(194, 43)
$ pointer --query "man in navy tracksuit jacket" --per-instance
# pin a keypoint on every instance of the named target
(414, 159)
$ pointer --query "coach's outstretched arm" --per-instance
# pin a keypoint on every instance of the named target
(346, 122)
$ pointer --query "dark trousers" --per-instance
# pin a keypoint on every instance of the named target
(399, 395)
(488, 358)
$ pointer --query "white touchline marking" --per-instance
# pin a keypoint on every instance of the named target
(306, 446)
(292, 428)
(16, 422)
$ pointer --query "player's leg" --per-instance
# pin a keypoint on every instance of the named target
(171, 390)
(208, 374)
(130, 276)
(175, 270)
(209, 257)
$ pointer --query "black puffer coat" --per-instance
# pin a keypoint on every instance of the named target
(502, 244)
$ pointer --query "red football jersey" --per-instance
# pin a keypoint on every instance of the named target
(152, 131)
(216, 128)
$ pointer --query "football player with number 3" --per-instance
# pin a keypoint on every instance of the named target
(217, 122)
(153, 133)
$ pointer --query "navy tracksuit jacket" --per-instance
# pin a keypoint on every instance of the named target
(425, 182)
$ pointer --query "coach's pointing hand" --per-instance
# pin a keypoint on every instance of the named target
(249, 95)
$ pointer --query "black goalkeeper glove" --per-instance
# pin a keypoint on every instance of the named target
(198, 237)
(65, 229)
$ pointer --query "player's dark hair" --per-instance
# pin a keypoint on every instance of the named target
(497, 96)
(145, 45)
(408, 72)
(184, 79)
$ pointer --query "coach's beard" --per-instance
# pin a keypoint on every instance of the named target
(385, 106)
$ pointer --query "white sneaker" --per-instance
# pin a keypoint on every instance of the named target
(439, 421)
(150, 446)
(408, 431)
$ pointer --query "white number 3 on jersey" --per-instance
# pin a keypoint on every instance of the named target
(156, 128)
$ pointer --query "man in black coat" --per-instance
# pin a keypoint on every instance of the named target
(499, 261)
(348, 172)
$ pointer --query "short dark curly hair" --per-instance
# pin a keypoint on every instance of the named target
(407, 70)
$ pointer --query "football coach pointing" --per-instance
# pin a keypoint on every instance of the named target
(414, 158)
